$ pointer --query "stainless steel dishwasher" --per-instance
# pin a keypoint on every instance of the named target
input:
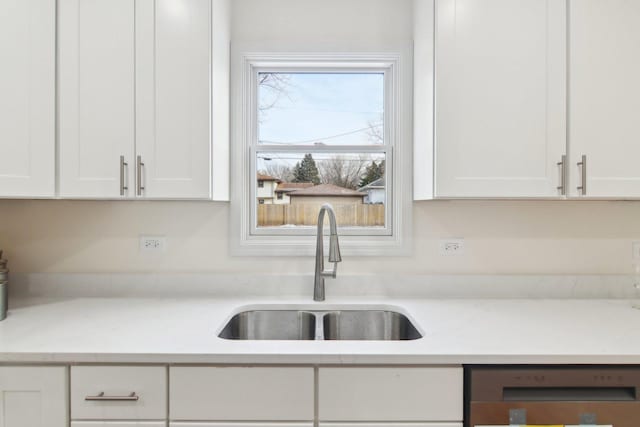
(552, 395)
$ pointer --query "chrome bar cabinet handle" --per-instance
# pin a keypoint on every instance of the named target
(123, 165)
(139, 167)
(563, 176)
(101, 397)
(583, 185)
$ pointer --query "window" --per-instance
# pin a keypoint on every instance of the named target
(306, 121)
(318, 129)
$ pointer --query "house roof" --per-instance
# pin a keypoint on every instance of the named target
(325, 190)
(288, 187)
(262, 177)
(378, 183)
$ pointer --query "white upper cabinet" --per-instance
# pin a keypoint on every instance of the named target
(173, 98)
(96, 97)
(605, 98)
(135, 96)
(500, 119)
(27, 98)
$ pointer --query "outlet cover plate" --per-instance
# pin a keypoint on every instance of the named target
(153, 244)
(451, 247)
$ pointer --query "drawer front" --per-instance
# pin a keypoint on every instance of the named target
(149, 383)
(242, 394)
(118, 424)
(391, 394)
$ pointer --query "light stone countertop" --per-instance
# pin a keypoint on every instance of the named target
(173, 330)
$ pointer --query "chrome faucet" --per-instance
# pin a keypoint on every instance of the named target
(334, 252)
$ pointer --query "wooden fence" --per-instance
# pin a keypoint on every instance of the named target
(347, 215)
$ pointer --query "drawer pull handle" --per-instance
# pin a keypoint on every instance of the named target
(102, 398)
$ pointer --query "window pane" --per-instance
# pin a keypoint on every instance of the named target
(296, 185)
(321, 108)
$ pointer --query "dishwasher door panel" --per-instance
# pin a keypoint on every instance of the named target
(618, 414)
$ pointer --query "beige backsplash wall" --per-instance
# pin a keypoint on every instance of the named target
(502, 237)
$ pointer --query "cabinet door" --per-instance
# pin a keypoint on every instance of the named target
(27, 100)
(390, 394)
(435, 424)
(118, 424)
(33, 397)
(500, 97)
(173, 98)
(605, 97)
(96, 97)
(240, 424)
(241, 394)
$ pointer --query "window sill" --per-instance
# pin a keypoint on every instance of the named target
(305, 246)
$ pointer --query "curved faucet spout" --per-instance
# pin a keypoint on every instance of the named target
(334, 251)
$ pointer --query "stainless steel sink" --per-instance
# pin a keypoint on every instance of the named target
(357, 325)
(271, 325)
(371, 325)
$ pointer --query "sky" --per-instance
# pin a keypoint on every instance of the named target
(318, 107)
(326, 108)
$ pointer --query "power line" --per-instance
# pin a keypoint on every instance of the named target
(325, 110)
(270, 158)
(315, 140)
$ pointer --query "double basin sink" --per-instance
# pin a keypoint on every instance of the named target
(360, 325)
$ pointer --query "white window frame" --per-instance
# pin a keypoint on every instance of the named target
(395, 63)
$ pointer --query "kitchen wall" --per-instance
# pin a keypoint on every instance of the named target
(502, 237)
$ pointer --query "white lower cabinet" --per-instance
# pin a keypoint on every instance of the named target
(271, 396)
(118, 424)
(198, 396)
(200, 424)
(393, 394)
(33, 397)
(241, 394)
(114, 393)
(391, 425)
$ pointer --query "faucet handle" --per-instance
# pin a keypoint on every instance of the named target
(334, 249)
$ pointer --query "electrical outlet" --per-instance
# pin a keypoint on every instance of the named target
(153, 243)
(635, 251)
(451, 247)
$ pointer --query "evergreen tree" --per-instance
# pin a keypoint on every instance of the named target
(306, 171)
(372, 173)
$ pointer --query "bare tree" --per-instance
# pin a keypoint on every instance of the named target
(278, 170)
(343, 171)
(275, 86)
(375, 133)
